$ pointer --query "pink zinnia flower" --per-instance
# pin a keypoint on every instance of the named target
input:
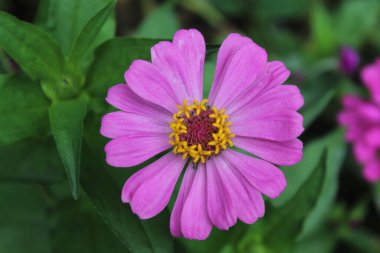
(162, 108)
(362, 120)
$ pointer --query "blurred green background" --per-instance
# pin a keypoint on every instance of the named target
(327, 207)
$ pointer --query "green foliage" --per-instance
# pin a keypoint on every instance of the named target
(65, 19)
(40, 162)
(33, 49)
(266, 9)
(312, 111)
(278, 232)
(91, 234)
(336, 149)
(52, 106)
(112, 59)
(323, 34)
(23, 219)
(160, 23)
(352, 27)
(23, 109)
(139, 236)
(88, 34)
(66, 121)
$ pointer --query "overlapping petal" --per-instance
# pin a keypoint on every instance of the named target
(273, 76)
(145, 79)
(281, 125)
(131, 150)
(219, 203)
(118, 124)
(229, 47)
(283, 153)
(193, 49)
(262, 175)
(149, 190)
(195, 222)
(172, 67)
(233, 183)
(237, 69)
(123, 98)
(175, 218)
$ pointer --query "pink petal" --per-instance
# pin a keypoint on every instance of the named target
(372, 137)
(351, 101)
(145, 79)
(283, 153)
(371, 78)
(171, 65)
(346, 118)
(123, 98)
(256, 198)
(227, 50)
(195, 223)
(232, 182)
(277, 74)
(262, 175)
(282, 125)
(149, 190)
(369, 111)
(193, 49)
(281, 97)
(175, 218)
(219, 205)
(371, 171)
(273, 76)
(117, 124)
(363, 153)
(131, 150)
(240, 71)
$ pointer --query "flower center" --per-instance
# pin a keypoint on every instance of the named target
(200, 131)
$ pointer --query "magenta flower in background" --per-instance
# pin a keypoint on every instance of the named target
(371, 79)
(362, 120)
(162, 107)
(349, 60)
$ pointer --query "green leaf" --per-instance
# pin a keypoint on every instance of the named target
(297, 175)
(352, 27)
(336, 149)
(23, 218)
(281, 226)
(78, 228)
(33, 49)
(86, 37)
(361, 240)
(376, 196)
(112, 59)
(40, 162)
(149, 236)
(312, 110)
(208, 77)
(271, 9)
(23, 109)
(65, 19)
(160, 23)
(66, 121)
(324, 242)
(323, 33)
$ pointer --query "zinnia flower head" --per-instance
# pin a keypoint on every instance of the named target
(362, 120)
(162, 108)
